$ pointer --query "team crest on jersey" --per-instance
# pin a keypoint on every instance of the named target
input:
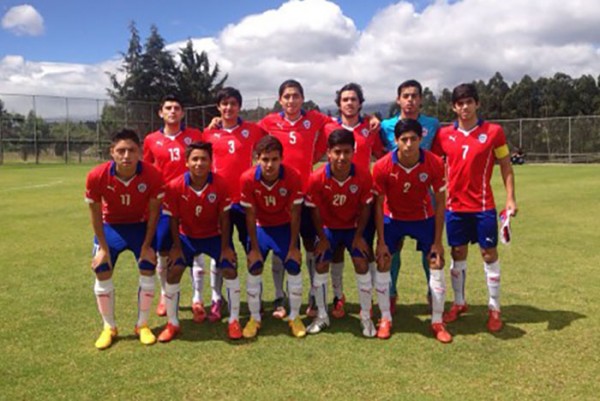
(282, 191)
(245, 133)
(365, 132)
(212, 197)
(423, 177)
(353, 188)
(187, 140)
(306, 124)
(482, 138)
(142, 187)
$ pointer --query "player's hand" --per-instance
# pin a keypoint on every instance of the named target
(436, 256)
(360, 244)
(374, 124)
(321, 247)
(214, 123)
(175, 255)
(511, 205)
(229, 255)
(101, 257)
(253, 257)
(148, 254)
(294, 254)
(382, 254)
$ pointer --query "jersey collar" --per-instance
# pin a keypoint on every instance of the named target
(479, 123)
(302, 114)
(258, 173)
(239, 122)
(360, 121)
(395, 159)
(113, 168)
(181, 129)
(328, 170)
(188, 179)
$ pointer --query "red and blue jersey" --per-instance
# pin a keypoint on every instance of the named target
(198, 211)
(470, 157)
(303, 140)
(339, 203)
(272, 203)
(232, 152)
(123, 202)
(167, 152)
(406, 190)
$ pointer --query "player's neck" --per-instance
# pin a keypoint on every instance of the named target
(408, 161)
(412, 116)
(340, 175)
(293, 118)
(229, 123)
(350, 121)
(269, 181)
(467, 125)
(198, 182)
(172, 129)
(125, 173)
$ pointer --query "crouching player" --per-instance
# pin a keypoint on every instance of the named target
(198, 204)
(272, 196)
(124, 197)
(340, 197)
(403, 207)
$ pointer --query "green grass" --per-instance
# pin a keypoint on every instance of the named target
(548, 349)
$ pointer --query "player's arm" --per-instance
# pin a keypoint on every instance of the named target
(359, 241)
(382, 252)
(254, 255)
(294, 250)
(103, 253)
(374, 123)
(436, 254)
(227, 253)
(176, 252)
(508, 176)
(323, 244)
(147, 252)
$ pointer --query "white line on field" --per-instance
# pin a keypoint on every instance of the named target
(49, 184)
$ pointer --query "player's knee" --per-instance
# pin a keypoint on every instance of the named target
(292, 267)
(489, 255)
(360, 265)
(174, 274)
(322, 267)
(104, 274)
(229, 273)
(459, 253)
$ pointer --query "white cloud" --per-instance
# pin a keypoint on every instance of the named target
(313, 41)
(23, 20)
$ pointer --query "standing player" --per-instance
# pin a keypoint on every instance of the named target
(198, 203)
(340, 196)
(367, 143)
(165, 149)
(233, 140)
(272, 195)
(471, 147)
(403, 181)
(409, 100)
(124, 196)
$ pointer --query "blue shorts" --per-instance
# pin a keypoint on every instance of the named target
(423, 231)
(163, 233)
(337, 237)
(121, 237)
(276, 239)
(480, 227)
(307, 228)
(237, 216)
(210, 246)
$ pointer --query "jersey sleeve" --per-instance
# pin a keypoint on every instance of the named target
(224, 196)
(157, 186)
(500, 146)
(438, 181)
(297, 196)
(312, 193)
(436, 146)
(366, 195)
(148, 156)
(378, 179)
(247, 196)
(92, 188)
(170, 207)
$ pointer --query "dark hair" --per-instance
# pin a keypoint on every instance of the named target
(268, 144)
(350, 87)
(465, 91)
(411, 83)
(199, 145)
(290, 83)
(125, 135)
(228, 92)
(408, 125)
(340, 136)
(170, 98)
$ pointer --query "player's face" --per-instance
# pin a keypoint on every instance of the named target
(171, 113)
(291, 102)
(340, 157)
(199, 163)
(466, 109)
(126, 154)
(269, 163)
(409, 101)
(229, 108)
(349, 103)
(408, 144)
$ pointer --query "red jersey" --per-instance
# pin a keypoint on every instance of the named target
(406, 190)
(366, 143)
(167, 153)
(470, 158)
(339, 203)
(198, 211)
(123, 202)
(302, 140)
(232, 152)
(272, 204)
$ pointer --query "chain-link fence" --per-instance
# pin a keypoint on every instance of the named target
(43, 129)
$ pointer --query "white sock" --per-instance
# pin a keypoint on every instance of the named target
(365, 290)
(105, 298)
(161, 269)
(278, 275)
(216, 281)
(172, 292)
(294, 284)
(233, 298)
(254, 295)
(373, 271)
(382, 286)
(198, 279)
(145, 297)
(337, 279)
(437, 286)
(310, 264)
(458, 275)
(320, 291)
(492, 274)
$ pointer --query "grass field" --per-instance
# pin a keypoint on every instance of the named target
(548, 349)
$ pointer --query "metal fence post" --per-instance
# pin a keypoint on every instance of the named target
(67, 139)
(35, 136)
(1, 142)
(520, 133)
(570, 159)
(99, 155)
